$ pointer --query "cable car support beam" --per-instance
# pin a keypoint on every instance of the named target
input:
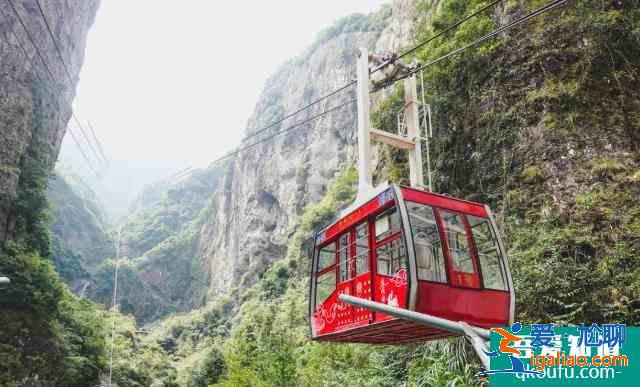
(479, 337)
(412, 141)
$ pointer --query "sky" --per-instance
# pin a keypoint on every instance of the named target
(171, 84)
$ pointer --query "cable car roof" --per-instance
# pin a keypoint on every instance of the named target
(357, 211)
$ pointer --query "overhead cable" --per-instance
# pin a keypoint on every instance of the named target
(71, 83)
(27, 58)
(291, 128)
(422, 44)
(550, 6)
(315, 102)
(432, 38)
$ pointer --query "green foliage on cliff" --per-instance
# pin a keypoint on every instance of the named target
(593, 241)
(541, 125)
(178, 203)
(47, 334)
(31, 206)
(78, 229)
(163, 271)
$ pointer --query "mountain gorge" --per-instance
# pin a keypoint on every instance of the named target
(541, 124)
(218, 230)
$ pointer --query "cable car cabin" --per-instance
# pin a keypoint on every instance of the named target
(412, 249)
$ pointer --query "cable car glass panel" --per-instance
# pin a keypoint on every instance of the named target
(325, 286)
(327, 257)
(488, 253)
(345, 273)
(387, 224)
(362, 248)
(428, 246)
(392, 257)
(463, 270)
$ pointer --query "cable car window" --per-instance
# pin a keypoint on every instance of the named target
(458, 242)
(387, 223)
(362, 248)
(429, 256)
(488, 253)
(391, 257)
(327, 256)
(325, 286)
(345, 273)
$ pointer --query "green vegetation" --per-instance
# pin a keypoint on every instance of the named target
(177, 204)
(540, 125)
(162, 270)
(592, 241)
(79, 240)
(47, 333)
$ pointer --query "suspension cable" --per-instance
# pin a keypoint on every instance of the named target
(432, 38)
(548, 7)
(291, 128)
(114, 304)
(51, 76)
(383, 65)
(70, 78)
(315, 102)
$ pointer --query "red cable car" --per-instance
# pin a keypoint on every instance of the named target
(411, 249)
(408, 249)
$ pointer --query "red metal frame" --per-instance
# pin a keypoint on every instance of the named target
(445, 202)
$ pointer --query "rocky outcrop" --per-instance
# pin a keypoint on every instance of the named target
(35, 99)
(266, 188)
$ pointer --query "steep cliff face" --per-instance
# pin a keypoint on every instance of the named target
(49, 337)
(35, 103)
(267, 187)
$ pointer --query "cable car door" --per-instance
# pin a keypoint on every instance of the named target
(361, 270)
(355, 275)
(390, 259)
(458, 242)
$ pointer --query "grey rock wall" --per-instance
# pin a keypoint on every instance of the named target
(35, 100)
(266, 188)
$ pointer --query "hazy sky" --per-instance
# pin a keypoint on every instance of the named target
(171, 84)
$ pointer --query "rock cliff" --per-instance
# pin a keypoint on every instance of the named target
(35, 92)
(266, 188)
(49, 337)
